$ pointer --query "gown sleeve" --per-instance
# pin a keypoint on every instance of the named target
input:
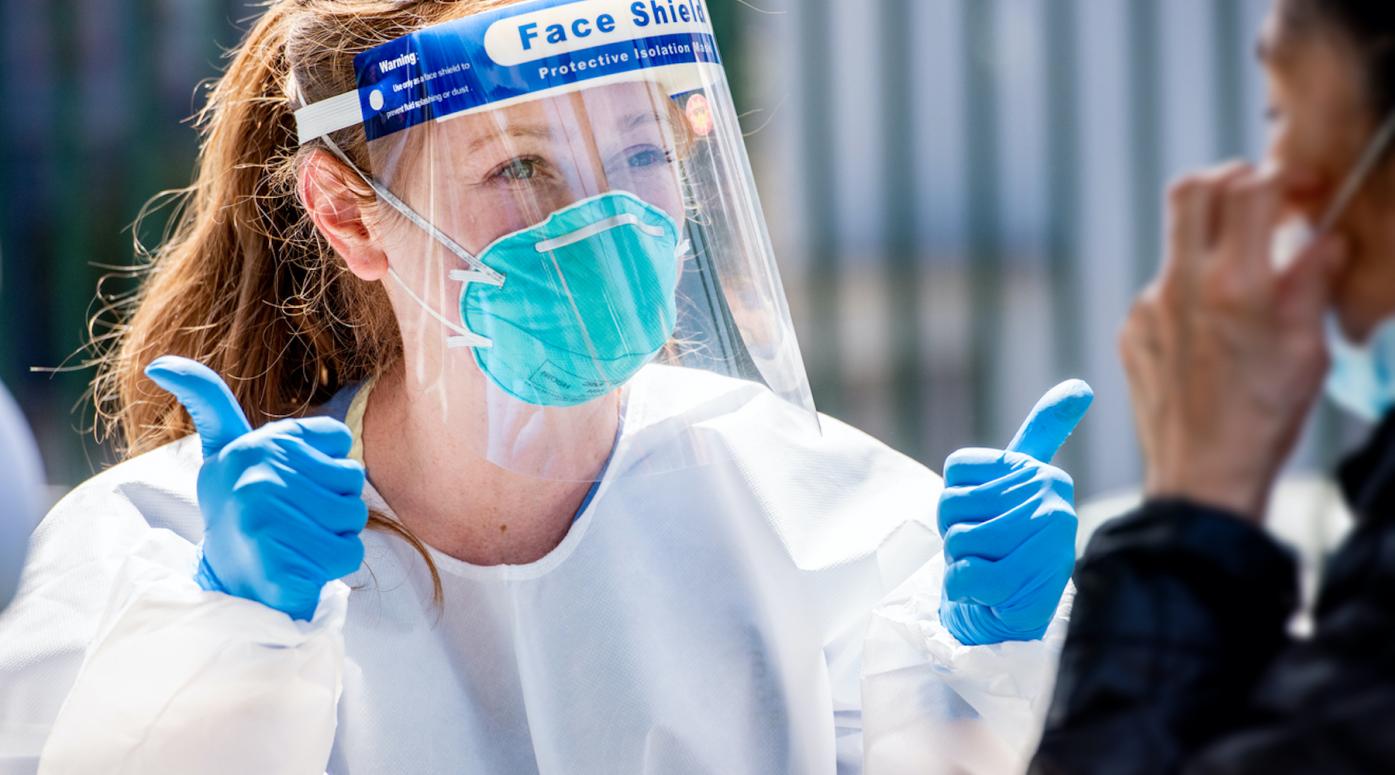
(859, 520)
(74, 557)
(177, 679)
(932, 704)
(113, 660)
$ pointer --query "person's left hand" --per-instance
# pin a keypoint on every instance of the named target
(1008, 521)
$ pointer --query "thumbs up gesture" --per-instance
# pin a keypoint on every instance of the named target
(1008, 522)
(282, 505)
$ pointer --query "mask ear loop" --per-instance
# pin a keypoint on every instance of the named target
(477, 273)
(1289, 243)
(1370, 159)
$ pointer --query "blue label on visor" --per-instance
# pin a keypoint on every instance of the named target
(524, 49)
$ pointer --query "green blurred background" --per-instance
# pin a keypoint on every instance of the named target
(964, 194)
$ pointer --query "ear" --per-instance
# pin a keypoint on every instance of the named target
(334, 198)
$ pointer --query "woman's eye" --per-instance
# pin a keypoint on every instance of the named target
(646, 157)
(518, 170)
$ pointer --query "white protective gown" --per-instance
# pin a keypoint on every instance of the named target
(695, 620)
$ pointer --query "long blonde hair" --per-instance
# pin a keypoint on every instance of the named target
(244, 283)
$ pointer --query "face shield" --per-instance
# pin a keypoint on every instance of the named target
(577, 253)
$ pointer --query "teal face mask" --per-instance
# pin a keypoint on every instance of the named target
(588, 299)
(570, 309)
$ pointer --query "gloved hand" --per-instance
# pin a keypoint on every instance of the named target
(282, 505)
(1008, 521)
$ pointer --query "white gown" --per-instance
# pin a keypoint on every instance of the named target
(695, 620)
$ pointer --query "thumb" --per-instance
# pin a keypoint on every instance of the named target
(210, 403)
(1309, 280)
(1053, 420)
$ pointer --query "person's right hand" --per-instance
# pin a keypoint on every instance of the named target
(1225, 352)
(1008, 520)
(282, 505)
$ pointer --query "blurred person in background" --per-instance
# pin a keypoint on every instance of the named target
(483, 320)
(22, 497)
(1276, 281)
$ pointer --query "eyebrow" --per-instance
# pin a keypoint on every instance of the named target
(643, 117)
(544, 132)
(533, 131)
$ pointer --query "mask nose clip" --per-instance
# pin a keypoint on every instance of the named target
(599, 227)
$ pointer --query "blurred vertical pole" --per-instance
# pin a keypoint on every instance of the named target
(9, 192)
(1063, 197)
(1231, 57)
(1146, 137)
(1145, 122)
(820, 207)
(903, 264)
(984, 246)
(148, 121)
(72, 207)
(726, 24)
(27, 218)
(153, 156)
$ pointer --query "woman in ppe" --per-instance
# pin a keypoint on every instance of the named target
(472, 306)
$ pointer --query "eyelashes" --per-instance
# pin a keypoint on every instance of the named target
(643, 156)
(517, 170)
(524, 169)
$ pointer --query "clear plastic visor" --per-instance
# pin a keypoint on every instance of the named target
(583, 280)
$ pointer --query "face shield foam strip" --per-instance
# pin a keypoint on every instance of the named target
(327, 117)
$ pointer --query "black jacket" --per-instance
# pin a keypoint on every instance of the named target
(1179, 660)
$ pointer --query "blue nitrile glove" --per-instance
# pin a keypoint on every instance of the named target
(282, 505)
(1008, 520)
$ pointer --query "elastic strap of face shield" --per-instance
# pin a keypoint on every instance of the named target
(316, 122)
(464, 337)
(484, 273)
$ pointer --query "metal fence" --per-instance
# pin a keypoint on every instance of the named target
(91, 127)
(965, 194)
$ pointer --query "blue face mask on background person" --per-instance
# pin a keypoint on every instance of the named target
(1362, 377)
(588, 299)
